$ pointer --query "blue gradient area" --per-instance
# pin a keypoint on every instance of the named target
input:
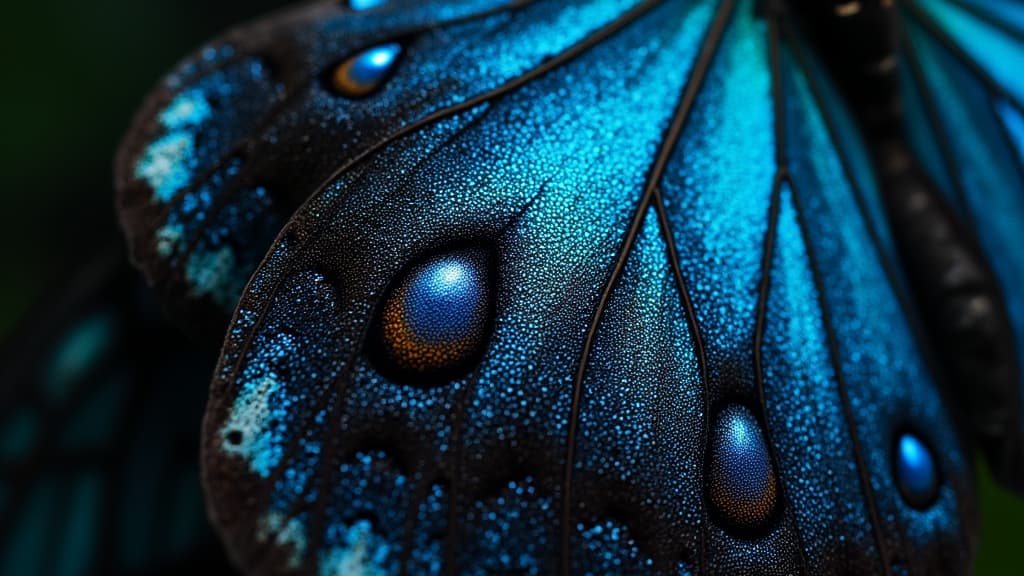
(916, 472)
(877, 356)
(1010, 12)
(78, 353)
(849, 144)
(370, 67)
(634, 378)
(998, 53)
(26, 552)
(716, 189)
(445, 300)
(985, 166)
(741, 472)
(1013, 120)
(811, 437)
(92, 425)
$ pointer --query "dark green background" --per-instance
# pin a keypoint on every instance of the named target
(73, 73)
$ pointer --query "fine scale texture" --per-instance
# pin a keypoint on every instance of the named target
(547, 287)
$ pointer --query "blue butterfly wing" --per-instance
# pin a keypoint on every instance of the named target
(101, 412)
(964, 110)
(591, 322)
(199, 204)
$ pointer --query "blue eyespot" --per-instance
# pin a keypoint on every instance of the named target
(741, 481)
(362, 74)
(916, 472)
(437, 316)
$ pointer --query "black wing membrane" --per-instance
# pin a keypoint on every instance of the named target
(611, 316)
(101, 408)
(964, 122)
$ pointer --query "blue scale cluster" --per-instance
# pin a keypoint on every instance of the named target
(365, 72)
(643, 396)
(551, 174)
(510, 531)
(214, 248)
(877, 355)
(290, 354)
(805, 401)
(984, 181)
(366, 509)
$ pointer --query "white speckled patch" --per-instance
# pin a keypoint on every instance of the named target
(248, 424)
(285, 532)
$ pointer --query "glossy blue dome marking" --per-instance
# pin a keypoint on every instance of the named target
(444, 300)
(741, 480)
(436, 316)
(363, 73)
(916, 473)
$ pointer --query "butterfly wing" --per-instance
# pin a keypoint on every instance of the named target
(592, 323)
(199, 203)
(964, 110)
(101, 412)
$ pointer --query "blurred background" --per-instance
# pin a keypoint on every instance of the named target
(74, 74)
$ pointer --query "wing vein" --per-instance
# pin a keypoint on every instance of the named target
(834, 356)
(547, 66)
(764, 285)
(693, 85)
(929, 24)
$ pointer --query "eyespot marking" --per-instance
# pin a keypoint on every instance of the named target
(363, 74)
(916, 472)
(741, 477)
(435, 318)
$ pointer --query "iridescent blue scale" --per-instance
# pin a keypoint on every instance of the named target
(600, 287)
(916, 472)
